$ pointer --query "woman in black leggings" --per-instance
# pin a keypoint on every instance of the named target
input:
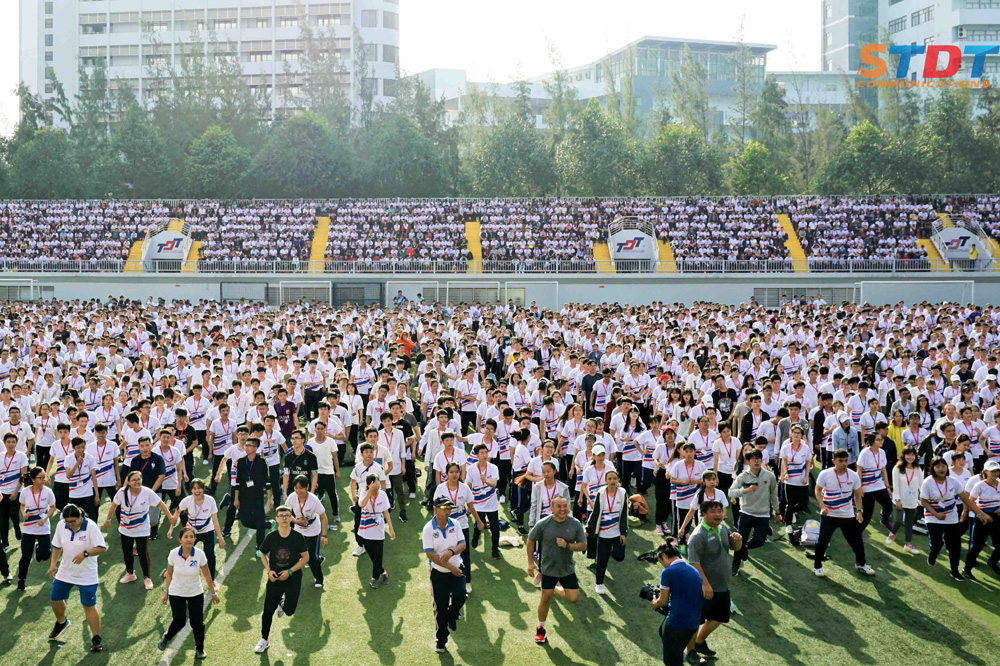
(186, 566)
(135, 501)
(942, 497)
(38, 503)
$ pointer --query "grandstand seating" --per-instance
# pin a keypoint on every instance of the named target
(497, 235)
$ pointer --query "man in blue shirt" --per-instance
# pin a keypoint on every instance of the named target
(680, 587)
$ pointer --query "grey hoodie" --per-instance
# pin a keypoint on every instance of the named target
(763, 501)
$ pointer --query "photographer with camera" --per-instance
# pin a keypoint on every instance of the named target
(708, 553)
(681, 593)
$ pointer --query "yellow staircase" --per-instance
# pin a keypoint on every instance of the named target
(937, 261)
(317, 251)
(994, 249)
(134, 262)
(798, 256)
(667, 261)
(176, 225)
(474, 241)
(191, 261)
(602, 257)
(945, 220)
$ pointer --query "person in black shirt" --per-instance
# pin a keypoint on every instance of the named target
(251, 488)
(150, 465)
(299, 460)
(724, 398)
(185, 433)
(284, 554)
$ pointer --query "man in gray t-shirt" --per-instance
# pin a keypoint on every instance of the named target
(555, 538)
(708, 552)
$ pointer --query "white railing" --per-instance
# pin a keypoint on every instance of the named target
(462, 267)
(631, 222)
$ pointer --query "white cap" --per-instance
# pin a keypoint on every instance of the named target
(598, 450)
(119, 368)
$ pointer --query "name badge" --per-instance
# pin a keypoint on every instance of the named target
(249, 484)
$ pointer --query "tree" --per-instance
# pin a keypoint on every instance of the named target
(867, 163)
(987, 133)
(45, 167)
(949, 142)
(745, 86)
(91, 128)
(398, 161)
(216, 166)
(595, 159)
(769, 120)
(514, 162)
(680, 162)
(689, 86)
(303, 159)
(563, 104)
(327, 78)
(136, 158)
(752, 171)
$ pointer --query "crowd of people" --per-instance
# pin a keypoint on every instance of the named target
(87, 231)
(573, 427)
(707, 230)
(835, 230)
(399, 231)
(251, 231)
(539, 231)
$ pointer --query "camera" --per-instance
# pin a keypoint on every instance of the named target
(651, 591)
(650, 557)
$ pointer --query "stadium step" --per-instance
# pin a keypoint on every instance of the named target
(176, 225)
(938, 264)
(798, 256)
(667, 262)
(134, 262)
(191, 262)
(945, 220)
(317, 251)
(474, 241)
(602, 257)
(994, 249)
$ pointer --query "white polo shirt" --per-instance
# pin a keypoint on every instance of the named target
(437, 540)
(74, 543)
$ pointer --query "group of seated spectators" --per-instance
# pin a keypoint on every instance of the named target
(835, 230)
(538, 231)
(252, 231)
(406, 232)
(516, 234)
(89, 231)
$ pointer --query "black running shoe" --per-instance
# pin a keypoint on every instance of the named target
(96, 645)
(702, 648)
(59, 628)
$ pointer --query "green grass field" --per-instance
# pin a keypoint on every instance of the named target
(909, 613)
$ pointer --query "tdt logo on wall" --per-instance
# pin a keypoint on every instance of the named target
(630, 244)
(873, 55)
(956, 244)
(168, 246)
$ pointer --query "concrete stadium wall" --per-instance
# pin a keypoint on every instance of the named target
(631, 289)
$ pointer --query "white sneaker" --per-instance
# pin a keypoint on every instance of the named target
(262, 645)
(468, 589)
(503, 499)
(413, 496)
(789, 529)
(889, 539)
(911, 549)
(819, 572)
(866, 570)
(318, 586)
(599, 589)
(359, 551)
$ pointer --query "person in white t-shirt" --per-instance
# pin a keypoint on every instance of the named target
(838, 491)
(38, 503)
(309, 520)
(135, 501)
(186, 566)
(942, 498)
(76, 544)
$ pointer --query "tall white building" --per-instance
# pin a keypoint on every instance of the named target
(135, 39)
(959, 22)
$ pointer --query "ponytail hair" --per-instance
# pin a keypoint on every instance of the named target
(32, 474)
(72, 511)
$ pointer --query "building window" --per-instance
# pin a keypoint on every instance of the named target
(48, 7)
(829, 11)
(369, 18)
(894, 2)
(48, 56)
(923, 16)
(48, 40)
(390, 87)
(370, 52)
(897, 26)
(49, 88)
(390, 53)
(928, 40)
(829, 39)
(370, 85)
(48, 24)
(390, 20)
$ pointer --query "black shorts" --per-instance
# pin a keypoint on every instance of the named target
(716, 608)
(569, 582)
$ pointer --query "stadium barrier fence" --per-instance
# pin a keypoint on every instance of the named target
(489, 266)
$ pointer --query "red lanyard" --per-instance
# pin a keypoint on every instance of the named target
(388, 439)
(302, 509)
(43, 425)
(840, 485)
(909, 477)
(454, 498)
(555, 488)
(611, 501)
(13, 458)
(101, 450)
(941, 492)
(689, 469)
(37, 497)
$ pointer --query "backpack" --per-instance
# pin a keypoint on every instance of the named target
(807, 535)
